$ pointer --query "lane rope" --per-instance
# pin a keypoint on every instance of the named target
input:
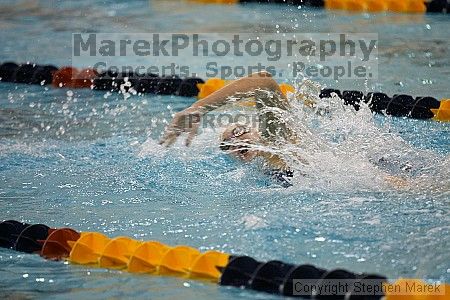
(355, 6)
(153, 257)
(423, 107)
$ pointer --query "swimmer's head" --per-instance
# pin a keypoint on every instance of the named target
(237, 141)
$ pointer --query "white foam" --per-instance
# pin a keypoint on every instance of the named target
(344, 149)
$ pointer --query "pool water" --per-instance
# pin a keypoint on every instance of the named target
(90, 160)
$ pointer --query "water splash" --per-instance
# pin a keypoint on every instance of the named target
(339, 148)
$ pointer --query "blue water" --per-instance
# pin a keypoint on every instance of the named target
(90, 160)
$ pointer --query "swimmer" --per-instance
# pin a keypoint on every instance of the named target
(242, 141)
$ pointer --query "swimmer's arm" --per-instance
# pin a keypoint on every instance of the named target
(268, 98)
(238, 89)
(188, 120)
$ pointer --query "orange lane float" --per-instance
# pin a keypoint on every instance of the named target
(443, 112)
(209, 86)
(87, 249)
(117, 252)
(376, 6)
(176, 261)
(147, 257)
